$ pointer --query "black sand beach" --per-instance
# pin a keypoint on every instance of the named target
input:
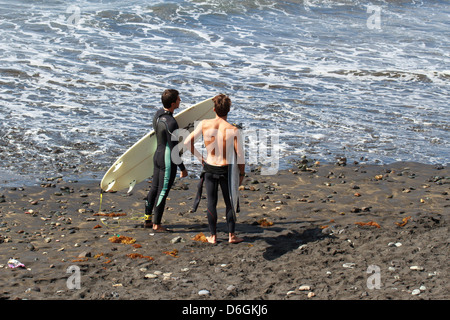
(330, 233)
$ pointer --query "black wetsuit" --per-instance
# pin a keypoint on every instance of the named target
(165, 169)
(212, 177)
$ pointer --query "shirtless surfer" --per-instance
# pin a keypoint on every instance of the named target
(219, 136)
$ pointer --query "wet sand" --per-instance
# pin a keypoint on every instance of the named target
(330, 233)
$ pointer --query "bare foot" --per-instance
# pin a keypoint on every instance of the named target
(160, 228)
(212, 239)
(234, 239)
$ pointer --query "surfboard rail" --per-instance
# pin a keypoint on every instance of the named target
(136, 164)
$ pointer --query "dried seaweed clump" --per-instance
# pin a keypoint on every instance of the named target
(370, 223)
(138, 255)
(200, 237)
(173, 253)
(404, 221)
(265, 223)
(122, 239)
(111, 215)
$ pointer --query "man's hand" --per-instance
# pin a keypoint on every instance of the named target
(241, 179)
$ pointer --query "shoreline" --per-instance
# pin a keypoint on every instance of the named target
(330, 233)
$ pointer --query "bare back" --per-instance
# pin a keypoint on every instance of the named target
(220, 138)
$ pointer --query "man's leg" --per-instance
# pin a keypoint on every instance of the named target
(151, 197)
(167, 177)
(229, 212)
(211, 186)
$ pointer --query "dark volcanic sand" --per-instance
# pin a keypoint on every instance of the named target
(313, 241)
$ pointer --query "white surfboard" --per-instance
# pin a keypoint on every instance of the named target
(136, 164)
(233, 185)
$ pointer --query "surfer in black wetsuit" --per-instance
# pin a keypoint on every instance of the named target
(219, 137)
(165, 169)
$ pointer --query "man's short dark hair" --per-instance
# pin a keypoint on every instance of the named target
(222, 104)
(168, 97)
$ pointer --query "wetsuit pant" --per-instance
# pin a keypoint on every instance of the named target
(212, 182)
(164, 174)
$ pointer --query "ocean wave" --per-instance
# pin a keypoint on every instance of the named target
(82, 89)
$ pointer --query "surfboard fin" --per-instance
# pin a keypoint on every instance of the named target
(132, 184)
(117, 167)
(110, 185)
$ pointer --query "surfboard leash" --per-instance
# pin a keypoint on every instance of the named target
(101, 200)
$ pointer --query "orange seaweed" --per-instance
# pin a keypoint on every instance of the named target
(138, 255)
(404, 221)
(265, 223)
(200, 237)
(122, 239)
(370, 223)
(173, 253)
(111, 215)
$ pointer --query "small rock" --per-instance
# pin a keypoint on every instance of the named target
(394, 244)
(311, 294)
(177, 239)
(231, 288)
(304, 288)
(48, 240)
(416, 268)
(150, 276)
(84, 254)
(350, 265)
(203, 293)
(290, 292)
(422, 288)
(415, 292)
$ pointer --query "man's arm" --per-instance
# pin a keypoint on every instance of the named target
(190, 141)
(240, 155)
(174, 145)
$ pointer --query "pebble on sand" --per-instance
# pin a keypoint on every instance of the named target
(204, 293)
(304, 288)
(415, 292)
